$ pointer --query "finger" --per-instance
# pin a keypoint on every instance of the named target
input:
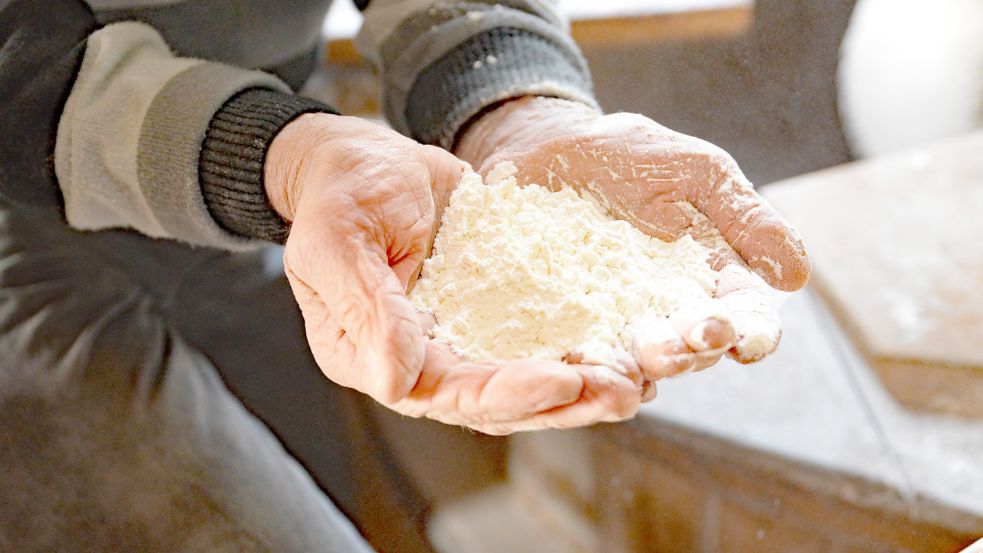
(755, 319)
(652, 209)
(769, 245)
(407, 268)
(427, 321)
(405, 259)
(446, 173)
(456, 391)
(704, 327)
(603, 355)
(666, 221)
(665, 359)
(648, 391)
(707, 331)
(659, 349)
(350, 273)
(619, 360)
(606, 397)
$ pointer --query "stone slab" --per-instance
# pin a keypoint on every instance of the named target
(896, 246)
(817, 401)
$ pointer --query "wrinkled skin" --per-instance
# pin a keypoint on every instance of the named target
(654, 177)
(363, 202)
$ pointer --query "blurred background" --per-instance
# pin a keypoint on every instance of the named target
(864, 432)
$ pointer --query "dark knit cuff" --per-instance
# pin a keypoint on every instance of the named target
(495, 65)
(230, 167)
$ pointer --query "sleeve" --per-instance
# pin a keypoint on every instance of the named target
(443, 62)
(108, 124)
(172, 147)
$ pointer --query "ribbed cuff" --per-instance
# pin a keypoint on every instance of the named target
(495, 65)
(230, 168)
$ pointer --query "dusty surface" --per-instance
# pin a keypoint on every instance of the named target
(816, 400)
(895, 244)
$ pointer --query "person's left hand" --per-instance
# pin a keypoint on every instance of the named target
(666, 184)
(364, 201)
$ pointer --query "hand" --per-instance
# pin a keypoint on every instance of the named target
(363, 202)
(666, 184)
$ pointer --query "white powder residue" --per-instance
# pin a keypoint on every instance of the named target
(525, 272)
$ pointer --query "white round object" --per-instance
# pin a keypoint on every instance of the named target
(911, 72)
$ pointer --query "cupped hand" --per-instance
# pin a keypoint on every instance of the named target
(363, 202)
(666, 184)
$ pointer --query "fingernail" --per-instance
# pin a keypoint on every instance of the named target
(648, 390)
(574, 358)
(767, 268)
(712, 334)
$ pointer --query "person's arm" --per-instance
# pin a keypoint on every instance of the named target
(172, 147)
(202, 152)
(111, 125)
(445, 62)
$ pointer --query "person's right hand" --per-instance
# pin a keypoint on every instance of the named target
(364, 203)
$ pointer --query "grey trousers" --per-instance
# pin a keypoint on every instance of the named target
(139, 383)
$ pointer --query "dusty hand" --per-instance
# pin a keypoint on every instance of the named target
(363, 202)
(666, 184)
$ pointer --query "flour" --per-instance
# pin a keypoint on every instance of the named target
(525, 272)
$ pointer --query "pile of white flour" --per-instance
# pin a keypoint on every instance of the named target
(525, 272)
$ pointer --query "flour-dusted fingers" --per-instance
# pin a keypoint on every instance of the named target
(743, 295)
(764, 239)
(705, 327)
(608, 356)
(607, 396)
(707, 330)
(649, 391)
(658, 348)
(501, 397)
(455, 391)
(691, 339)
(757, 324)
(618, 359)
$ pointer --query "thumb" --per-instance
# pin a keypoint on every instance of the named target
(347, 267)
(768, 243)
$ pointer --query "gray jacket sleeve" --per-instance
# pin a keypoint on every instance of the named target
(140, 142)
(443, 62)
